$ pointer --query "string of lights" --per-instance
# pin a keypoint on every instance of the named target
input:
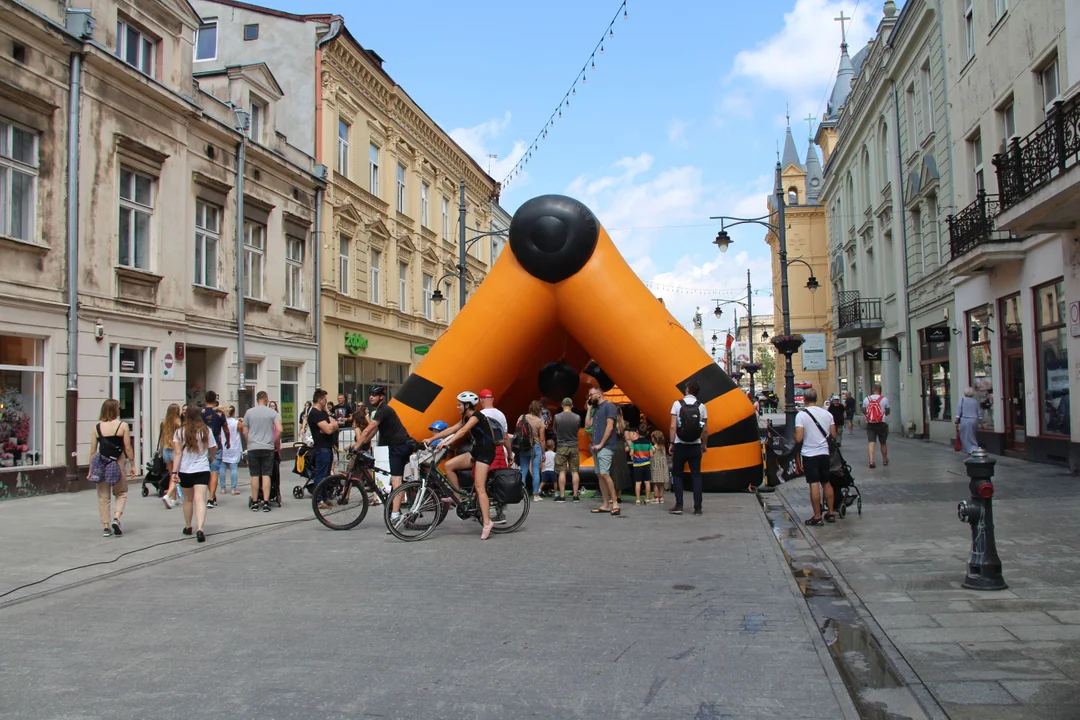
(680, 290)
(557, 113)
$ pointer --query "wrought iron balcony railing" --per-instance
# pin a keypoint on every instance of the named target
(1049, 150)
(975, 225)
(853, 311)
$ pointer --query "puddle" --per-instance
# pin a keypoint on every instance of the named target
(874, 685)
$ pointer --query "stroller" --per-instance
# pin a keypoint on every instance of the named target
(157, 476)
(845, 492)
(304, 466)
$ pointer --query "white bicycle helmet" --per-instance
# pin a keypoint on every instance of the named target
(468, 398)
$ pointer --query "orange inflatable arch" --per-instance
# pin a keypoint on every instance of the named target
(565, 293)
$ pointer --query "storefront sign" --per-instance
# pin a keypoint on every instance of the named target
(288, 416)
(169, 364)
(938, 334)
(813, 352)
(1074, 318)
(127, 366)
(871, 354)
(355, 342)
(422, 349)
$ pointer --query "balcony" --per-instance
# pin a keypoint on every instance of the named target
(856, 317)
(1039, 175)
(977, 244)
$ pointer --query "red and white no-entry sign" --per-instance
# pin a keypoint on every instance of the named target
(169, 365)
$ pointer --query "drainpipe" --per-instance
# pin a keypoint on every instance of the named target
(318, 284)
(461, 251)
(71, 411)
(242, 120)
(903, 219)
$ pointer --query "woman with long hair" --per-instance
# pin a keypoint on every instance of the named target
(109, 444)
(193, 450)
(531, 459)
(169, 426)
(231, 456)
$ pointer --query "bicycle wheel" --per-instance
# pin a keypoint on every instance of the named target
(508, 518)
(339, 502)
(419, 513)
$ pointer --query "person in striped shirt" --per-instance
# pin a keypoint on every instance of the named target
(639, 448)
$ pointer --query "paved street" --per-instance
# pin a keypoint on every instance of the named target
(1005, 655)
(576, 616)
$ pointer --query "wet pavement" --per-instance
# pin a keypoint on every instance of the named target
(889, 583)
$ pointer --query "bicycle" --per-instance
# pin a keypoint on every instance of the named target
(426, 502)
(335, 492)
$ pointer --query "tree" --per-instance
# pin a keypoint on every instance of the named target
(767, 373)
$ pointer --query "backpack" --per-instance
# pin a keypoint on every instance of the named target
(522, 441)
(873, 410)
(689, 422)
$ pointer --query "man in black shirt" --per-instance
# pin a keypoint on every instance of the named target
(219, 429)
(392, 434)
(323, 428)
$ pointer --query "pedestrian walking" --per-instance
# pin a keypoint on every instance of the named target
(639, 448)
(110, 445)
(689, 438)
(567, 456)
(604, 443)
(875, 408)
(193, 456)
(849, 410)
(839, 415)
(172, 422)
(215, 419)
(967, 420)
(530, 427)
(262, 430)
(658, 467)
(234, 453)
(810, 430)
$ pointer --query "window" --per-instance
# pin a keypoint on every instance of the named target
(290, 393)
(22, 401)
(1000, 8)
(403, 287)
(933, 233)
(401, 188)
(251, 32)
(975, 152)
(258, 120)
(935, 371)
(424, 204)
(969, 28)
(928, 98)
(294, 272)
(376, 264)
(254, 254)
(1048, 79)
(343, 148)
(883, 157)
(206, 41)
(136, 211)
(135, 48)
(919, 261)
(496, 247)
(912, 130)
(207, 239)
(445, 219)
(429, 311)
(373, 179)
(357, 375)
(343, 265)
(1007, 123)
(251, 371)
(980, 367)
(1052, 356)
(18, 181)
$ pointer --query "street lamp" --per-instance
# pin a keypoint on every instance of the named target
(748, 306)
(463, 247)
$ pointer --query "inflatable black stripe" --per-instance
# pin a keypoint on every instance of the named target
(744, 431)
(418, 393)
(732, 480)
(714, 382)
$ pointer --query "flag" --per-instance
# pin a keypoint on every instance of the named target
(730, 340)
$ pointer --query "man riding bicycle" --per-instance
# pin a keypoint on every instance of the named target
(392, 435)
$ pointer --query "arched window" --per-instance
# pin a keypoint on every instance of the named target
(793, 195)
(868, 197)
(883, 155)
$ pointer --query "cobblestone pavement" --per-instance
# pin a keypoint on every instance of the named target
(1004, 655)
(576, 616)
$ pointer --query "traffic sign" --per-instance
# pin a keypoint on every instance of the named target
(170, 366)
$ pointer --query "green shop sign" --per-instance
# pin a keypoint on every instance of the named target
(421, 349)
(355, 342)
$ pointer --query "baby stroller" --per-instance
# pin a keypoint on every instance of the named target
(157, 476)
(845, 492)
(304, 466)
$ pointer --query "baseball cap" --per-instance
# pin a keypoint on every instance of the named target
(568, 402)
(485, 393)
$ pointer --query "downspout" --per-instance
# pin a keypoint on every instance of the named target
(71, 410)
(336, 26)
(241, 161)
(318, 285)
(903, 219)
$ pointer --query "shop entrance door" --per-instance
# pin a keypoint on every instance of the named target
(1015, 417)
(131, 387)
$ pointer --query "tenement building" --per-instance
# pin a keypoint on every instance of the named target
(145, 221)
(389, 231)
(887, 189)
(1015, 126)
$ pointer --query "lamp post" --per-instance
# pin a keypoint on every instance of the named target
(749, 307)
(723, 240)
(463, 248)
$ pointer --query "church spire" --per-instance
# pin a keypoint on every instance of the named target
(791, 154)
(844, 74)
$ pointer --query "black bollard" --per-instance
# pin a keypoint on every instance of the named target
(984, 565)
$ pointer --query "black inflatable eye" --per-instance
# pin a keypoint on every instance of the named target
(553, 236)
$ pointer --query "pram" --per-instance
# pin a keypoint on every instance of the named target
(845, 492)
(304, 465)
(157, 477)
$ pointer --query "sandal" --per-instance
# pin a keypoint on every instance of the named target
(830, 518)
(594, 511)
(616, 511)
(872, 466)
(814, 521)
(885, 461)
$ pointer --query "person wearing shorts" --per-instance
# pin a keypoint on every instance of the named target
(567, 456)
(548, 476)
(604, 442)
(262, 431)
(877, 431)
(478, 427)
(392, 436)
(193, 454)
(815, 454)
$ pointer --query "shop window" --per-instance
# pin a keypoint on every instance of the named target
(290, 399)
(935, 371)
(1052, 358)
(357, 375)
(980, 364)
(22, 402)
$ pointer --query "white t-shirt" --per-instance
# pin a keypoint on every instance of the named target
(689, 399)
(549, 461)
(192, 462)
(884, 404)
(496, 415)
(814, 443)
(235, 451)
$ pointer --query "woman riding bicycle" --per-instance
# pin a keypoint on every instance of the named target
(476, 425)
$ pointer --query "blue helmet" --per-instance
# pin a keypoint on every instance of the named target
(438, 426)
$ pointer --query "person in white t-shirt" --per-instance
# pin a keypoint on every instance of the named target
(193, 453)
(689, 441)
(813, 428)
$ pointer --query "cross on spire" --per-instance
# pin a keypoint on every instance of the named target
(810, 124)
(843, 28)
(787, 113)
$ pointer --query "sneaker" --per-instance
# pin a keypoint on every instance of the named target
(697, 511)
(211, 503)
(116, 527)
(537, 498)
(254, 505)
(577, 499)
(560, 499)
(266, 506)
(106, 533)
(200, 536)
(187, 531)
(638, 503)
(676, 510)
(169, 502)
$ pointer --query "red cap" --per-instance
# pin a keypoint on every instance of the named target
(485, 393)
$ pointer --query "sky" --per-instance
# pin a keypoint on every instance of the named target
(679, 120)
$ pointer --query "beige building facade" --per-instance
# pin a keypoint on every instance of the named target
(159, 230)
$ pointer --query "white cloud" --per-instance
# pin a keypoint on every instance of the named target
(801, 58)
(481, 140)
(677, 132)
